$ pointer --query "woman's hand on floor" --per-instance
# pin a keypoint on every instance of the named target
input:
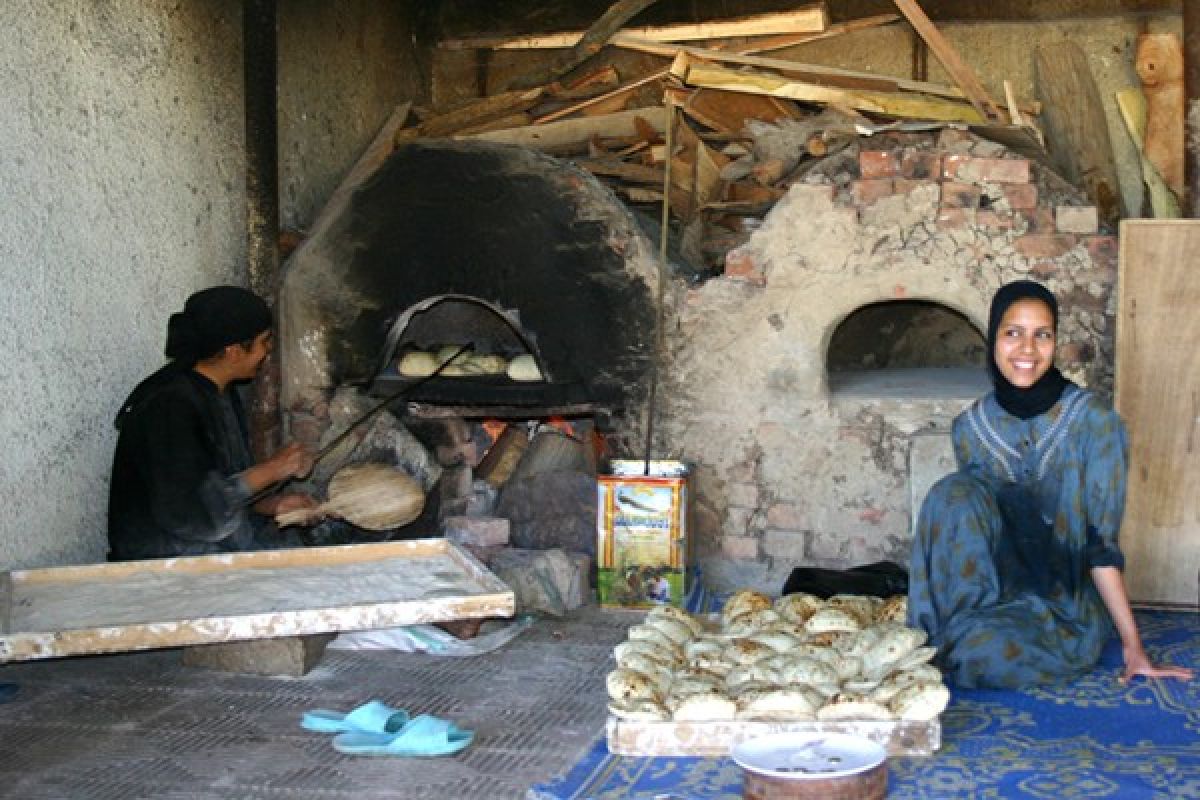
(1137, 663)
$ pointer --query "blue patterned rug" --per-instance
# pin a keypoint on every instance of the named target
(1093, 738)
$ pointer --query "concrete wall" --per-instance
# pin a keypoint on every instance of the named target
(121, 147)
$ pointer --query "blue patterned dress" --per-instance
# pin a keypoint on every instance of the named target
(1000, 573)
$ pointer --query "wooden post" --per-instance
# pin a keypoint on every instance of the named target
(259, 50)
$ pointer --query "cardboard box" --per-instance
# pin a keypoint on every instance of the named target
(642, 551)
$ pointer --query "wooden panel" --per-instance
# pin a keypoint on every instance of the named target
(713, 739)
(138, 605)
(1158, 395)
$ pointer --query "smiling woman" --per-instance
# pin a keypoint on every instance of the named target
(1016, 568)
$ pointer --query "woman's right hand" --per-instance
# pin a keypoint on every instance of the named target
(292, 461)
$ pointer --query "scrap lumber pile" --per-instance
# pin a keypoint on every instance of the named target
(743, 126)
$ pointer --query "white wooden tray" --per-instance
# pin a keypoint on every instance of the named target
(717, 738)
(139, 605)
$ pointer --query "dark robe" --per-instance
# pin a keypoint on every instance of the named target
(176, 479)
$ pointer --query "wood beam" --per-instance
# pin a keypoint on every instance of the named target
(1010, 10)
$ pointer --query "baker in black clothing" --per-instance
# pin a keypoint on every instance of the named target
(183, 478)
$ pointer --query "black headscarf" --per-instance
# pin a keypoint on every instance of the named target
(1041, 397)
(213, 318)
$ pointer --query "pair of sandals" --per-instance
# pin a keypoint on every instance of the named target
(375, 728)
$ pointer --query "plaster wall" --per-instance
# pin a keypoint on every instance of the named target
(120, 150)
(343, 68)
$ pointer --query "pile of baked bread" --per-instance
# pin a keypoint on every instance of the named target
(795, 658)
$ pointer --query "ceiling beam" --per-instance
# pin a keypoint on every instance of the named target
(1003, 10)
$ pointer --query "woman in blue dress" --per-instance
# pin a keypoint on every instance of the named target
(1016, 568)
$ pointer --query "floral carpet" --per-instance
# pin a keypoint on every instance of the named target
(1093, 738)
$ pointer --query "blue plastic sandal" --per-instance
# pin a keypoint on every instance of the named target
(423, 736)
(372, 717)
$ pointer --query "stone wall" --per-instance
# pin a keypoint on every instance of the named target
(788, 472)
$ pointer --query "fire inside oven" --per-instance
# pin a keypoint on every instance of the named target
(501, 365)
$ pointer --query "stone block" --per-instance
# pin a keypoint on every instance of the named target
(878, 164)
(990, 170)
(742, 495)
(960, 195)
(1045, 269)
(479, 531)
(789, 545)
(869, 191)
(739, 547)
(930, 456)
(1044, 245)
(920, 165)
(1040, 220)
(1076, 219)
(293, 656)
(737, 520)
(906, 186)
(1020, 196)
(785, 515)
(741, 266)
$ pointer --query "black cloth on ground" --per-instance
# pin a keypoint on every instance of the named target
(880, 579)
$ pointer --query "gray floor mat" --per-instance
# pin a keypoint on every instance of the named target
(141, 725)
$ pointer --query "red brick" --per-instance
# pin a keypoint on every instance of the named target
(739, 548)
(953, 218)
(1020, 196)
(867, 192)
(991, 170)
(878, 164)
(994, 219)
(1076, 219)
(920, 165)
(1103, 249)
(1041, 220)
(741, 266)
(1044, 245)
(960, 195)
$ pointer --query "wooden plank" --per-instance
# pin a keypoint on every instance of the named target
(716, 738)
(763, 44)
(1076, 126)
(613, 168)
(140, 605)
(1163, 203)
(946, 53)
(909, 106)
(813, 73)
(1159, 65)
(808, 19)
(620, 91)
(563, 135)
(727, 112)
(1157, 394)
(475, 113)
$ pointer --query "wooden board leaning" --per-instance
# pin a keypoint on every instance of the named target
(140, 605)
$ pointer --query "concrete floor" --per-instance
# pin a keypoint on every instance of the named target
(141, 725)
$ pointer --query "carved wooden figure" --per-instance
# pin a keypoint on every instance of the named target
(1160, 67)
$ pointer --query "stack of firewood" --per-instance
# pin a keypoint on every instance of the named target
(743, 126)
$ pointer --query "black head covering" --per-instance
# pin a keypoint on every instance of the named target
(213, 318)
(1041, 397)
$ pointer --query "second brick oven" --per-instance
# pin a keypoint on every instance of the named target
(801, 461)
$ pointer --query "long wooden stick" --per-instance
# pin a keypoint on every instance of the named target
(962, 74)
